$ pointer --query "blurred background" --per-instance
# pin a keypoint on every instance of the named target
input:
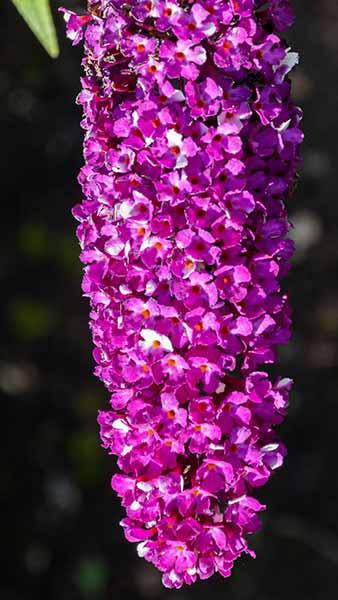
(60, 532)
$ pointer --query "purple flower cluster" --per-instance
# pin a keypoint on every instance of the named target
(191, 148)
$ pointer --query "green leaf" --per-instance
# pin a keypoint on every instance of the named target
(38, 17)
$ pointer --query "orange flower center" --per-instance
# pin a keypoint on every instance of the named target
(227, 45)
(175, 149)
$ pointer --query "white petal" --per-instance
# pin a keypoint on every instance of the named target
(291, 60)
(124, 209)
(269, 447)
(174, 138)
(145, 487)
(150, 336)
(121, 425)
(142, 549)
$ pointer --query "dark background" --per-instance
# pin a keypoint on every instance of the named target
(60, 534)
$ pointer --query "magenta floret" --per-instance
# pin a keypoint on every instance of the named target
(191, 149)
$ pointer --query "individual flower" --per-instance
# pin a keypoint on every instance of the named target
(183, 58)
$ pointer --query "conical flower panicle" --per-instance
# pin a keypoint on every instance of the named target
(191, 146)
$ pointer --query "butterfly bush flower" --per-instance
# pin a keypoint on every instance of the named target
(191, 149)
